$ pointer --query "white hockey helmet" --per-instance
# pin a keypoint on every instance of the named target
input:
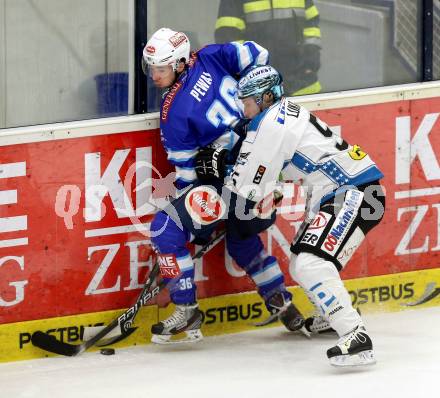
(259, 80)
(166, 47)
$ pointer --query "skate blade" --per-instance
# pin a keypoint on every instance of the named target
(360, 359)
(191, 336)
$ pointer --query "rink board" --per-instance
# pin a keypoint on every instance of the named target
(75, 213)
(227, 314)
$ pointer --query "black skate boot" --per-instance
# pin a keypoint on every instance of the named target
(185, 318)
(286, 312)
(353, 349)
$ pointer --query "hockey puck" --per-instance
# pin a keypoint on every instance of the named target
(107, 351)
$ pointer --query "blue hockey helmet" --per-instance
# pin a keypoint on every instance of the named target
(259, 80)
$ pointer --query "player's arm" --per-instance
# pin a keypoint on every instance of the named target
(237, 57)
(181, 149)
(184, 162)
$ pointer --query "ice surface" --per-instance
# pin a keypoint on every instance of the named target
(267, 362)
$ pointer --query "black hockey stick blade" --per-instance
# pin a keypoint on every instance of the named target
(49, 343)
(116, 339)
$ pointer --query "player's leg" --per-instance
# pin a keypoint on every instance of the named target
(316, 323)
(184, 218)
(177, 268)
(321, 280)
(265, 271)
(324, 249)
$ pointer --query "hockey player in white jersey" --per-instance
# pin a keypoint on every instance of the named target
(345, 200)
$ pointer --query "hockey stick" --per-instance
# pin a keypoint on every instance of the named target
(50, 343)
(118, 334)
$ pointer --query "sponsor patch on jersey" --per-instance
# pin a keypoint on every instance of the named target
(343, 222)
(310, 239)
(259, 174)
(204, 205)
(320, 221)
(357, 153)
(177, 39)
(192, 59)
(168, 101)
(168, 265)
(316, 228)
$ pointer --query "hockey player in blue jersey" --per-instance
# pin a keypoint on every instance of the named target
(345, 203)
(199, 109)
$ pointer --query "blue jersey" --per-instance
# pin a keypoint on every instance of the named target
(201, 106)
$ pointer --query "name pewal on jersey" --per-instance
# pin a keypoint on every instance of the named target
(201, 106)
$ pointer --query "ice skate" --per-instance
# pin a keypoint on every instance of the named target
(284, 310)
(317, 324)
(353, 349)
(186, 318)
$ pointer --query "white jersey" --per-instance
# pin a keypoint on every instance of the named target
(288, 138)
